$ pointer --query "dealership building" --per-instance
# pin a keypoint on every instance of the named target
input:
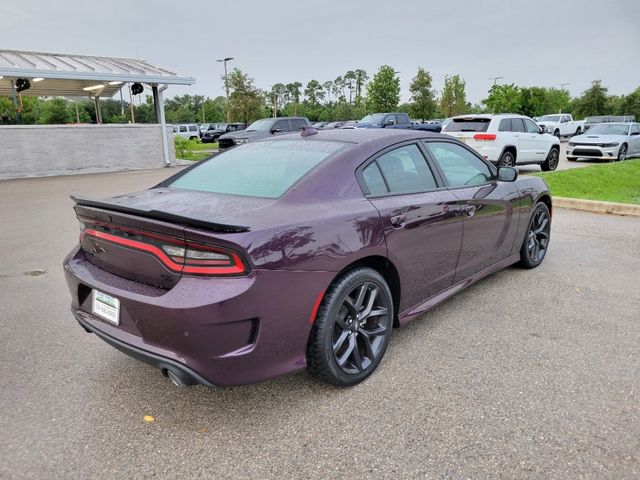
(40, 150)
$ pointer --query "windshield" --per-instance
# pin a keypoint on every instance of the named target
(261, 169)
(376, 118)
(549, 118)
(609, 129)
(260, 125)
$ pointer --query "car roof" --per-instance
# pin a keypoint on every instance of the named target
(488, 115)
(362, 136)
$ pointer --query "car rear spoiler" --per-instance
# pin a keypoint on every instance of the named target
(158, 215)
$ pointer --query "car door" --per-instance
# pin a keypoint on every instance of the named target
(508, 137)
(423, 229)
(521, 140)
(489, 207)
(535, 143)
(634, 139)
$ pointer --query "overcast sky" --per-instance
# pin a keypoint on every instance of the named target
(545, 42)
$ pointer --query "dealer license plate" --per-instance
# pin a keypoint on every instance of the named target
(106, 306)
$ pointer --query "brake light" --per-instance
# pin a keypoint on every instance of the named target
(193, 259)
(484, 136)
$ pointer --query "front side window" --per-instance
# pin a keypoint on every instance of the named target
(282, 125)
(401, 120)
(405, 170)
(261, 169)
(635, 129)
(183, 128)
(531, 126)
(461, 168)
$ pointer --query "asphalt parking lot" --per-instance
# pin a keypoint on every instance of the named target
(564, 164)
(527, 374)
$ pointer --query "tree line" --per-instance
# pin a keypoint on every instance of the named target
(348, 97)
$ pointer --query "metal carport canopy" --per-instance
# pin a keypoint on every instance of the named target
(70, 75)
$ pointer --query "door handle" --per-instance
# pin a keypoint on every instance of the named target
(470, 210)
(398, 221)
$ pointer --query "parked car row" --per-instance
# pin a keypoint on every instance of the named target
(561, 125)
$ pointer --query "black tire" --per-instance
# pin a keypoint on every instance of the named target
(556, 133)
(507, 159)
(346, 345)
(552, 160)
(622, 153)
(536, 239)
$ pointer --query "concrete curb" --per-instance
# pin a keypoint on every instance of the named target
(597, 206)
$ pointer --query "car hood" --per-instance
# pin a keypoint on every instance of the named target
(547, 123)
(597, 139)
(251, 135)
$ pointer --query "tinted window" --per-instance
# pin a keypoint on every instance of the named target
(406, 170)
(261, 169)
(505, 125)
(193, 128)
(468, 125)
(459, 165)
(635, 129)
(282, 125)
(390, 120)
(373, 179)
(183, 128)
(298, 124)
(530, 126)
(401, 120)
(517, 125)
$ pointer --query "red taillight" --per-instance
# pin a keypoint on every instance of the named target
(190, 258)
(484, 136)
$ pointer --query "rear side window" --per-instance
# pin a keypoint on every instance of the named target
(505, 125)
(405, 170)
(517, 125)
(373, 180)
(183, 128)
(261, 169)
(402, 120)
(468, 125)
(193, 128)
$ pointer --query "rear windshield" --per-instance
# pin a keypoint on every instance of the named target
(468, 125)
(261, 169)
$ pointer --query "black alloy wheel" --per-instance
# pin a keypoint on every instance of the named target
(552, 160)
(536, 241)
(352, 328)
(507, 160)
(622, 153)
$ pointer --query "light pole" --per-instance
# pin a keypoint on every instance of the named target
(495, 79)
(226, 83)
(562, 85)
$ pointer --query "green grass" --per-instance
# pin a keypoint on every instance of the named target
(196, 145)
(611, 182)
(195, 156)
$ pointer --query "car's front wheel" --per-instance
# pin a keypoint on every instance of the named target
(622, 153)
(536, 240)
(352, 328)
(552, 160)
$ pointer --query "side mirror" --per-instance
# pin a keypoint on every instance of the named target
(388, 122)
(543, 129)
(507, 174)
(276, 130)
(635, 133)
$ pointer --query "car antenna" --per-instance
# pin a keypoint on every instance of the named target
(308, 130)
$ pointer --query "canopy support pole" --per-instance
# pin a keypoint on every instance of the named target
(96, 101)
(159, 104)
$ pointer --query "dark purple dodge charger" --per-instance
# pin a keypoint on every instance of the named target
(299, 251)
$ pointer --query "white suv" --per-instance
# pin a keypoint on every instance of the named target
(506, 139)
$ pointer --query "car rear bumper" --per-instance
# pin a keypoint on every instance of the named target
(166, 365)
(212, 330)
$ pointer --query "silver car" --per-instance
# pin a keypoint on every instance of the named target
(606, 141)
